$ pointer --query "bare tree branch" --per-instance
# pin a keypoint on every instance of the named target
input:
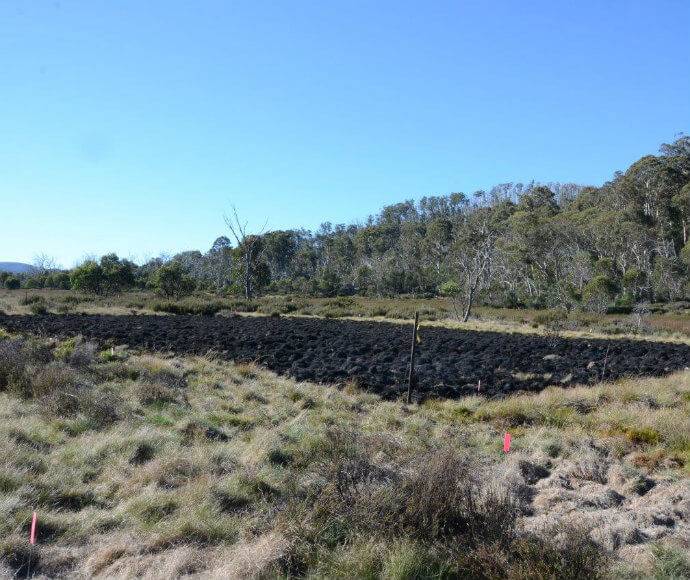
(249, 244)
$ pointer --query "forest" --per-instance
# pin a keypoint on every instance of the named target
(553, 245)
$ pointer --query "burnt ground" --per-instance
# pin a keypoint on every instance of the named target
(375, 355)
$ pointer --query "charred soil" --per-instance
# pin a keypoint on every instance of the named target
(375, 355)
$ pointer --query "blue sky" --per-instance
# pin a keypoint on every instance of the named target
(133, 126)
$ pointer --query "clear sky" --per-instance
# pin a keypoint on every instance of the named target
(132, 126)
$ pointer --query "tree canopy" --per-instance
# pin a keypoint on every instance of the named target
(535, 244)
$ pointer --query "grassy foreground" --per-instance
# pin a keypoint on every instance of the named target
(167, 467)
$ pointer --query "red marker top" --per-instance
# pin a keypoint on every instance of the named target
(33, 529)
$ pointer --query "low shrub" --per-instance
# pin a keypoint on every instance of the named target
(100, 407)
(282, 305)
(563, 552)
(39, 308)
(152, 393)
(31, 299)
(56, 376)
(160, 385)
(198, 307)
(550, 317)
(656, 460)
(450, 522)
(17, 360)
(83, 354)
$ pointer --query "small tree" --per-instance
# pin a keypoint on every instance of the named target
(250, 247)
(43, 264)
(58, 280)
(88, 278)
(681, 202)
(117, 274)
(452, 291)
(473, 252)
(633, 283)
(12, 283)
(598, 294)
(171, 281)
(667, 276)
(640, 315)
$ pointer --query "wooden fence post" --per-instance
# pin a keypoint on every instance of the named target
(410, 385)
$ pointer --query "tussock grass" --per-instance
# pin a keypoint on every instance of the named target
(173, 466)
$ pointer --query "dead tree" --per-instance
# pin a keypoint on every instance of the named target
(249, 245)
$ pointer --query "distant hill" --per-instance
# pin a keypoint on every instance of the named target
(15, 267)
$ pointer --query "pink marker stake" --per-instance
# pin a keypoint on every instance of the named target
(506, 442)
(479, 386)
(33, 529)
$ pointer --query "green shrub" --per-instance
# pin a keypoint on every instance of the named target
(196, 307)
(12, 283)
(88, 277)
(171, 281)
(599, 293)
(449, 288)
(550, 317)
(39, 308)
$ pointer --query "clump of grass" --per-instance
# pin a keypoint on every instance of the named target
(552, 447)
(670, 563)
(246, 371)
(645, 435)
(278, 456)
(590, 469)
(30, 299)
(657, 460)
(200, 430)
(39, 308)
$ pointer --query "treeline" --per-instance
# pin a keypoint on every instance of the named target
(517, 245)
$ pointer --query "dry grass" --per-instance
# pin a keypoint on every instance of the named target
(192, 467)
(673, 326)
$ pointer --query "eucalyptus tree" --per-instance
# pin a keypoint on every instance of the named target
(218, 265)
(681, 203)
(472, 252)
